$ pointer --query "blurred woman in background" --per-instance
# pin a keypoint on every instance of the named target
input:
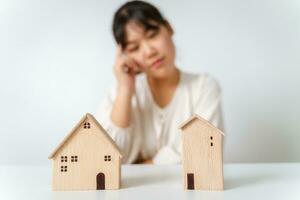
(152, 96)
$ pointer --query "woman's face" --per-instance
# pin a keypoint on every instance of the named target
(152, 50)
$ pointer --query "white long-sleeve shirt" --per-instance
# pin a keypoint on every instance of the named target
(153, 132)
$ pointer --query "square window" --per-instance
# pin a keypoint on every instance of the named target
(64, 159)
(107, 158)
(86, 125)
(63, 168)
(74, 158)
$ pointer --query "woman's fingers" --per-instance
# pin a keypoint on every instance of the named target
(134, 67)
(126, 64)
(129, 66)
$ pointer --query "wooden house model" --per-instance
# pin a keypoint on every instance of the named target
(202, 154)
(87, 159)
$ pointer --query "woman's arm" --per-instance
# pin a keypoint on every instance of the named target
(116, 112)
(121, 111)
(125, 138)
(124, 69)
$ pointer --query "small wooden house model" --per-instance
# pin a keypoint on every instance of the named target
(87, 159)
(202, 155)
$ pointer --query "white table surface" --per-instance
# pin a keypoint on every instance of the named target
(242, 181)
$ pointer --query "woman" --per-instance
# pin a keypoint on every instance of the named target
(152, 97)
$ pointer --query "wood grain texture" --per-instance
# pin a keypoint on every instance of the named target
(202, 154)
(90, 145)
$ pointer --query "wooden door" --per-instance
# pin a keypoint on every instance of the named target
(190, 181)
(100, 181)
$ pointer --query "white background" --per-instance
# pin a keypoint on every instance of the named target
(56, 62)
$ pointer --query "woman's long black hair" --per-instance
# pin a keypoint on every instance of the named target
(140, 12)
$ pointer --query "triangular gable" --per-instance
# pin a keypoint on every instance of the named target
(195, 117)
(92, 118)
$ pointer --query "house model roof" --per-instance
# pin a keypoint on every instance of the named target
(195, 116)
(73, 131)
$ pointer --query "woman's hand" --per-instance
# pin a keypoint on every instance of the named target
(125, 70)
